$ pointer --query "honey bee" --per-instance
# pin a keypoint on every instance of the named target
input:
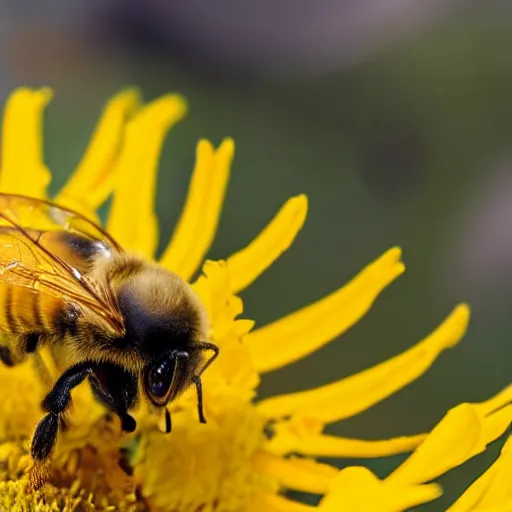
(123, 323)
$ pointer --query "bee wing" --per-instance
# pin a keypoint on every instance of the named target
(27, 261)
(43, 215)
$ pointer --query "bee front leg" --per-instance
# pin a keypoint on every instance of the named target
(6, 356)
(45, 435)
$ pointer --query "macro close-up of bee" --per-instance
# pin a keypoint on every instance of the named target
(126, 325)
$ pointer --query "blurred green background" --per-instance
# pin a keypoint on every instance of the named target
(394, 117)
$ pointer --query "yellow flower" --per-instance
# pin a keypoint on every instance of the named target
(251, 451)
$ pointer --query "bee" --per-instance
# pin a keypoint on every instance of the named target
(125, 324)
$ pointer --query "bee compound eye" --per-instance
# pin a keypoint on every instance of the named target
(160, 378)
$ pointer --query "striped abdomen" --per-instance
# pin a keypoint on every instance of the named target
(24, 310)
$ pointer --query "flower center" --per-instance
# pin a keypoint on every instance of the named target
(207, 467)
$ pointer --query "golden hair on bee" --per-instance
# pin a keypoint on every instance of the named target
(154, 303)
(124, 324)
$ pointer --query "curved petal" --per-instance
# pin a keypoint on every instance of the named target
(275, 503)
(496, 402)
(333, 446)
(298, 474)
(358, 392)
(301, 333)
(492, 491)
(132, 220)
(300, 435)
(461, 434)
(246, 265)
(505, 506)
(197, 226)
(469, 501)
(23, 169)
(357, 489)
(93, 180)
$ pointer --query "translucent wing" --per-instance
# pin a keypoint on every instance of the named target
(30, 256)
(42, 215)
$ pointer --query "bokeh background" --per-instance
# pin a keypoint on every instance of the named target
(394, 116)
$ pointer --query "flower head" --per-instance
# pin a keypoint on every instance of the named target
(251, 450)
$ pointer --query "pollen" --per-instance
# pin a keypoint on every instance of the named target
(252, 451)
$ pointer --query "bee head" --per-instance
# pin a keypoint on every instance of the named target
(164, 321)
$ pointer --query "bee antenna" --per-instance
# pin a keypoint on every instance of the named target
(206, 345)
(199, 389)
(203, 345)
(168, 422)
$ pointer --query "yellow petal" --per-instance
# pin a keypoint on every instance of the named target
(196, 228)
(299, 435)
(132, 220)
(492, 491)
(297, 335)
(299, 474)
(23, 169)
(504, 397)
(93, 180)
(463, 433)
(356, 489)
(267, 502)
(469, 500)
(502, 507)
(354, 394)
(246, 265)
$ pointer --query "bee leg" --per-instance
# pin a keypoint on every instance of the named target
(128, 423)
(56, 402)
(6, 356)
(117, 389)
